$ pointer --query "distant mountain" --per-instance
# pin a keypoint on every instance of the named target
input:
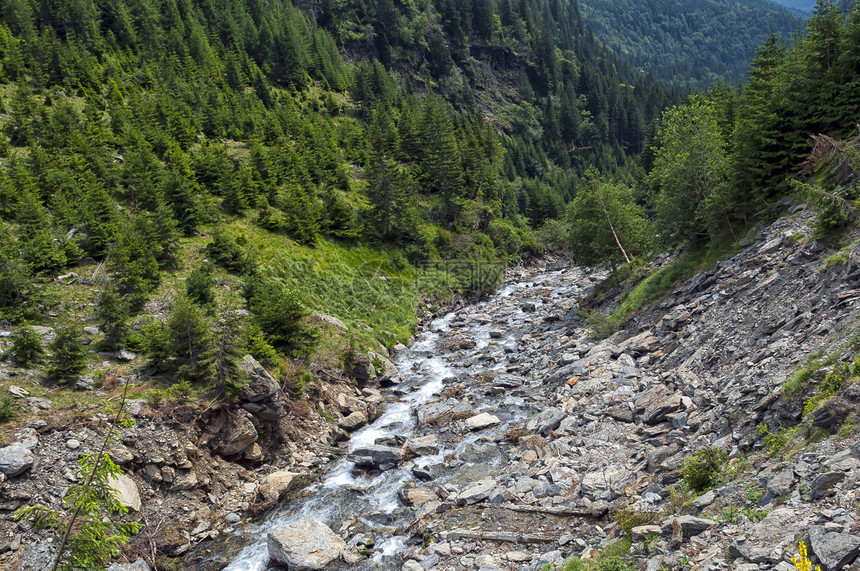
(691, 43)
(801, 5)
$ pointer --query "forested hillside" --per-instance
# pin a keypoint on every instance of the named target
(692, 44)
(723, 159)
(163, 147)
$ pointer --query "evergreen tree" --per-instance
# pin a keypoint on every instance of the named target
(27, 348)
(190, 341)
(68, 354)
(112, 311)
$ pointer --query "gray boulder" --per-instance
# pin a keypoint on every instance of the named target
(767, 540)
(824, 483)
(127, 492)
(354, 421)
(15, 459)
(304, 544)
(261, 385)
(545, 421)
(376, 457)
(834, 550)
(238, 435)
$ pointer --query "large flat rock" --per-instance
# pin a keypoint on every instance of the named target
(304, 544)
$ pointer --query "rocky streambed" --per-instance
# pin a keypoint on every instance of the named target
(515, 440)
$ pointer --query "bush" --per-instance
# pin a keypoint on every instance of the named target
(27, 349)
(704, 468)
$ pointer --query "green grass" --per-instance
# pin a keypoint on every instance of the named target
(694, 260)
(355, 283)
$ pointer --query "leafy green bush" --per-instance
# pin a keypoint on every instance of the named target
(704, 469)
(27, 348)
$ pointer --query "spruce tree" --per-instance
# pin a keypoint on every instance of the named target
(68, 354)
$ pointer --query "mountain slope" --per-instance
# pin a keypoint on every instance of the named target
(692, 44)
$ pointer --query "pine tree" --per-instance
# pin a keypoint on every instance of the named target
(27, 348)
(190, 341)
(227, 377)
(68, 354)
(112, 311)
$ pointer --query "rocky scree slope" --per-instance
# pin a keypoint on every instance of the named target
(582, 442)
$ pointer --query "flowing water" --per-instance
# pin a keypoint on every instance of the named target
(373, 498)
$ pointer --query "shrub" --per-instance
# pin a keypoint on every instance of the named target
(27, 349)
(704, 468)
(631, 517)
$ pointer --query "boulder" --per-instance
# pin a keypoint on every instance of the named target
(684, 527)
(275, 484)
(261, 385)
(659, 408)
(767, 540)
(417, 496)
(354, 421)
(481, 421)
(127, 492)
(376, 457)
(238, 434)
(15, 459)
(834, 550)
(824, 483)
(546, 420)
(780, 483)
(385, 369)
(304, 544)
(423, 446)
(476, 492)
(330, 319)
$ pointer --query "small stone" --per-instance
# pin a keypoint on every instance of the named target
(481, 421)
(18, 392)
(73, 443)
(125, 355)
(139, 565)
(705, 500)
(496, 334)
